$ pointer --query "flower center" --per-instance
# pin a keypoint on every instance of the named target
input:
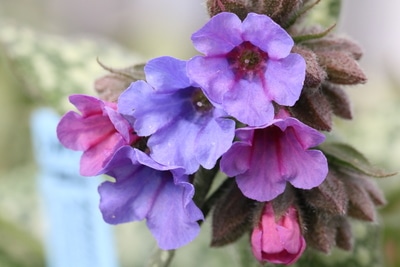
(141, 144)
(247, 60)
(200, 102)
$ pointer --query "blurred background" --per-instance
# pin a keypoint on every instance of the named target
(48, 50)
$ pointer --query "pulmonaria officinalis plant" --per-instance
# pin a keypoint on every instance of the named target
(252, 108)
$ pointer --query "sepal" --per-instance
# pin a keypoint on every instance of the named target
(232, 216)
(110, 86)
(315, 74)
(313, 109)
(341, 67)
(239, 7)
(338, 99)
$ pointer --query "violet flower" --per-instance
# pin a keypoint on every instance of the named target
(246, 66)
(266, 158)
(278, 240)
(184, 128)
(144, 189)
(99, 131)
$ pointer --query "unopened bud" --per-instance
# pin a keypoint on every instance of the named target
(315, 74)
(339, 44)
(322, 232)
(341, 67)
(280, 10)
(361, 205)
(313, 109)
(344, 236)
(330, 196)
(110, 86)
(338, 99)
(238, 7)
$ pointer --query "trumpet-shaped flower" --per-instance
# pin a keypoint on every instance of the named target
(144, 189)
(98, 131)
(246, 66)
(265, 159)
(185, 129)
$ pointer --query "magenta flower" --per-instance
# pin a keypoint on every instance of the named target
(246, 66)
(278, 240)
(185, 129)
(266, 158)
(99, 131)
(144, 189)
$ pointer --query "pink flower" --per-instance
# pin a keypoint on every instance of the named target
(99, 131)
(278, 240)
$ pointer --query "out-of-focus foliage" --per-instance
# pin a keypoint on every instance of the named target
(325, 13)
(51, 67)
(20, 222)
(37, 69)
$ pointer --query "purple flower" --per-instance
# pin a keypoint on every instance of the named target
(99, 131)
(144, 189)
(247, 65)
(266, 158)
(184, 128)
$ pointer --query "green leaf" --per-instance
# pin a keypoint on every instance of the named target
(344, 155)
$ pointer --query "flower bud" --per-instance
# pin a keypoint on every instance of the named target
(110, 86)
(280, 10)
(240, 8)
(338, 99)
(341, 67)
(315, 74)
(313, 109)
(278, 240)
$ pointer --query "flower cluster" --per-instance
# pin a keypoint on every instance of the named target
(240, 107)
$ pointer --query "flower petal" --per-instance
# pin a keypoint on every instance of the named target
(141, 192)
(285, 78)
(233, 165)
(155, 71)
(274, 155)
(308, 137)
(219, 36)
(247, 102)
(95, 158)
(256, 243)
(78, 133)
(87, 105)
(263, 32)
(149, 111)
(214, 138)
(212, 74)
(121, 125)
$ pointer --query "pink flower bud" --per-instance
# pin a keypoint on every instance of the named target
(278, 240)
